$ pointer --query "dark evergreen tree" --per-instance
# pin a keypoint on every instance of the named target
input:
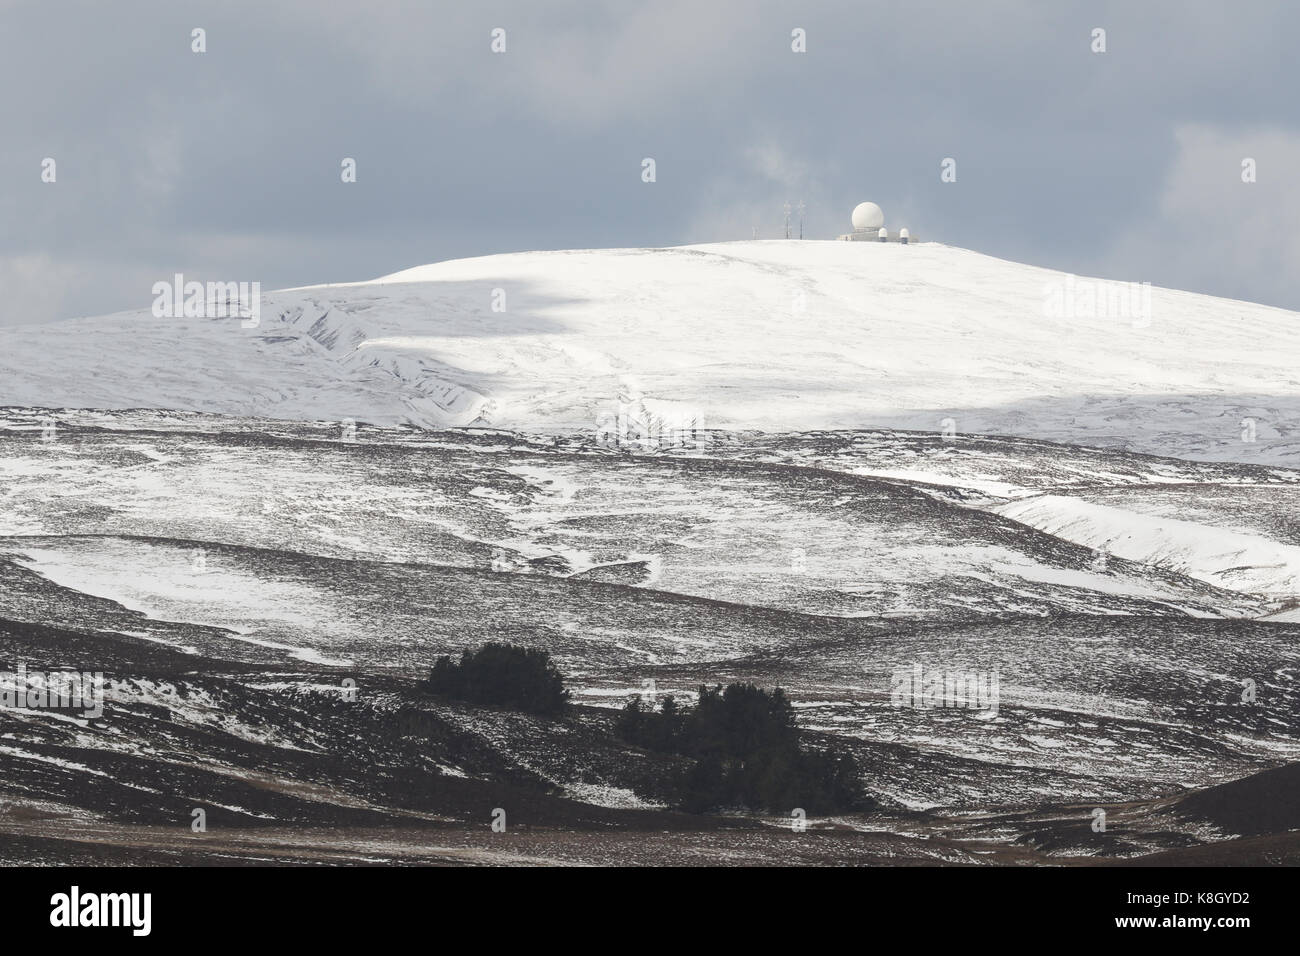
(501, 675)
(746, 751)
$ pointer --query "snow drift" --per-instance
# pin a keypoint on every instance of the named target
(1232, 560)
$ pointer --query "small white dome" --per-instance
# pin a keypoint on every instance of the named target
(867, 215)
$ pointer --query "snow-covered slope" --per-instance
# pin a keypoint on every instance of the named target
(1231, 560)
(771, 335)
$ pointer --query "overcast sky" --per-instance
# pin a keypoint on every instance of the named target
(225, 165)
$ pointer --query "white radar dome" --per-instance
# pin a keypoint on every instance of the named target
(867, 215)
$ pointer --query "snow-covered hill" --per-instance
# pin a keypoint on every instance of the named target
(771, 335)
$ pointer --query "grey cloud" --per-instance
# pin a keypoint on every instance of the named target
(226, 164)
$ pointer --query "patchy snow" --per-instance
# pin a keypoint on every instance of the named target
(169, 587)
(602, 795)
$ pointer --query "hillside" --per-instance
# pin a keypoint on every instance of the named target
(770, 335)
